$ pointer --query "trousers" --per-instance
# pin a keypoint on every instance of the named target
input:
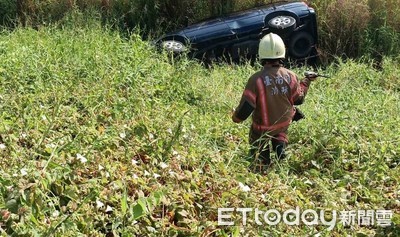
(260, 145)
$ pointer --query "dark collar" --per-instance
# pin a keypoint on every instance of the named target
(272, 65)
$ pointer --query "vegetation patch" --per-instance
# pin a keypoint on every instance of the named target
(102, 136)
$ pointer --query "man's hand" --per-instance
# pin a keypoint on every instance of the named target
(233, 115)
(311, 75)
(298, 115)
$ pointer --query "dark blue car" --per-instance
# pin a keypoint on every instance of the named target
(237, 35)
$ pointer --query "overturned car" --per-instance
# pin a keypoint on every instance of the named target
(237, 35)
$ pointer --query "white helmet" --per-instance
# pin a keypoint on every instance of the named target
(271, 47)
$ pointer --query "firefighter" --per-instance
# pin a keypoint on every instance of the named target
(270, 95)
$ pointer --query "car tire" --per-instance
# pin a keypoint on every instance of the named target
(301, 44)
(282, 22)
(174, 46)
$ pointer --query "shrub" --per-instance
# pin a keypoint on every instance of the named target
(382, 36)
(343, 26)
(385, 13)
(8, 11)
(380, 41)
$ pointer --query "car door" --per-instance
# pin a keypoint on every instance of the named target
(208, 34)
(246, 28)
(246, 24)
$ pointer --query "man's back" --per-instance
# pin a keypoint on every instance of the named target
(271, 90)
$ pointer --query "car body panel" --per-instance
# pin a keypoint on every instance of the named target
(245, 22)
(207, 31)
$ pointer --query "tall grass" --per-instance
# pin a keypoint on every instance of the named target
(100, 135)
(353, 30)
(347, 29)
(345, 26)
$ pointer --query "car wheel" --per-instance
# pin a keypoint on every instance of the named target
(173, 46)
(301, 44)
(286, 23)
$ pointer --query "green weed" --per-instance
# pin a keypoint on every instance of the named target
(100, 135)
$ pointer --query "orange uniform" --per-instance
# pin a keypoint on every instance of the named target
(270, 95)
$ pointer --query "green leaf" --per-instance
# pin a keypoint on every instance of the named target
(12, 206)
(139, 209)
(33, 219)
(124, 202)
(396, 219)
(236, 232)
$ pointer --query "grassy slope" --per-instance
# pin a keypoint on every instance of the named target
(161, 149)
